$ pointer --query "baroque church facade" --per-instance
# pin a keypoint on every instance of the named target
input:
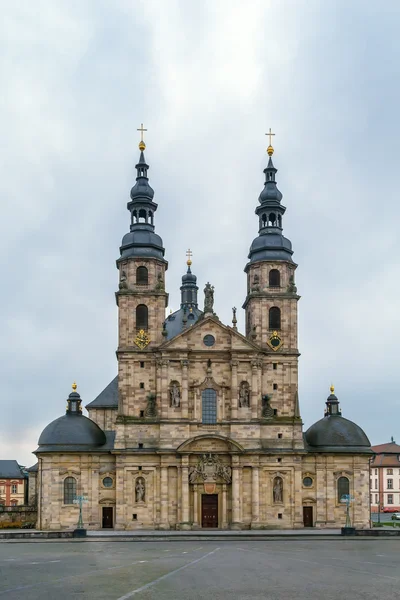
(202, 426)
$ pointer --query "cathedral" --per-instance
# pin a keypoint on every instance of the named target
(201, 427)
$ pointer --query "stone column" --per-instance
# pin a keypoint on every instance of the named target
(235, 496)
(164, 390)
(185, 494)
(255, 498)
(254, 389)
(298, 500)
(195, 506)
(164, 524)
(185, 399)
(234, 390)
(224, 521)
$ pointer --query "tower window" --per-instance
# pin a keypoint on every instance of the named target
(343, 487)
(141, 385)
(274, 278)
(275, 386)
(142, 216)
(142, 276)
(274, 366)
(274, 318)
(142, 364)
(142, 316)
(209, 406)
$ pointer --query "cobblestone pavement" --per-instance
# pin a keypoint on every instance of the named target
(249, 570)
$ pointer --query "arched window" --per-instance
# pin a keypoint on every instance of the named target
(274, 278)
(69, 490)
(274, 318)
(142, 216)
(209, 406)
(343, 487)
(142, 276)
(14, 502)
(142, 316)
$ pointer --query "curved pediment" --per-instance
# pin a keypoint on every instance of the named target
(210, 443)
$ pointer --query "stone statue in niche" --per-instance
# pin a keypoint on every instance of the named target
(140, 490)
(151, 408)
(267, 410)
(244, 394)
(123, 281)
(278, 490)
(175, 394)
(208, 298)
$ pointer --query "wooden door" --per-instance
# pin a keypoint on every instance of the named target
(308, 516)
(209, 510)
(107, 517)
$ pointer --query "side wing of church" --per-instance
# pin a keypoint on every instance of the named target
(202, 427)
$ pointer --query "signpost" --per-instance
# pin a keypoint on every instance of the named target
(80, 531)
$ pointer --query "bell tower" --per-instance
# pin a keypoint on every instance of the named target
(271, 301)
(141, 297)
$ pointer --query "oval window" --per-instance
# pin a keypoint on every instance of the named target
(307, 482)
(107, 482)
(209, 340)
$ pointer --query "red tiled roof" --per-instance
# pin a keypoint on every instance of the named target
(382, 460)
(390, 448)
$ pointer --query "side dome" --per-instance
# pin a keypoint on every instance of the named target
(334, 433)
(71, 432)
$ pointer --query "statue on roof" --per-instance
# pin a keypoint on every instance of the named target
(208, 298)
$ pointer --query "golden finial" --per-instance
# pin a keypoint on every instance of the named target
(270, 149)
(332, 388)
(142, 145)
(189, 255)
(74, 386)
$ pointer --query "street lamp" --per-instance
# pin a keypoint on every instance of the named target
(347, 499)
(80, 531)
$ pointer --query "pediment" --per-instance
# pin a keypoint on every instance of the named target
(226, 338)
(210, 443)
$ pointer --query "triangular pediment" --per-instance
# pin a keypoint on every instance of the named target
(225, 338)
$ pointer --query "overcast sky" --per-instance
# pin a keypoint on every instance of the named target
(207, 79)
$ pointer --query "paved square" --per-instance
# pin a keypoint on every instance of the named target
(248, 570)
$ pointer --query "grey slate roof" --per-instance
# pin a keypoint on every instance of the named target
(10, 469)
(108, 398)
(106, 447)
(174, 322)
(34, 468)
(336, 434)
(73, 431)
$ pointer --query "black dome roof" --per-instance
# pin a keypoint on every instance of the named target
(71, 432)
(336, 434)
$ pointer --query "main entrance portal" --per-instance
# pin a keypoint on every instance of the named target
(209, 510)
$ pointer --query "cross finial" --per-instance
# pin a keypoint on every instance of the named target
(189, 255)
(142, 145)
(270, 149)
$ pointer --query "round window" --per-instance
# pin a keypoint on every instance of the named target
(107, 482)
(307, 482)
(209, 340)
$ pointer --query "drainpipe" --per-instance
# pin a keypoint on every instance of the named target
(41, 492)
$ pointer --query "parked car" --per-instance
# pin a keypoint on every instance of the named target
(396, 517)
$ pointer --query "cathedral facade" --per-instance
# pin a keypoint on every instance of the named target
(202, 426)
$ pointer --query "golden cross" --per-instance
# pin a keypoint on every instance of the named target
(270, 136)
(189, 255)
(142, 130)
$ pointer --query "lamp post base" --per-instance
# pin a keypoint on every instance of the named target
(79, 533)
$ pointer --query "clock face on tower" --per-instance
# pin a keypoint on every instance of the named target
(275, 341)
